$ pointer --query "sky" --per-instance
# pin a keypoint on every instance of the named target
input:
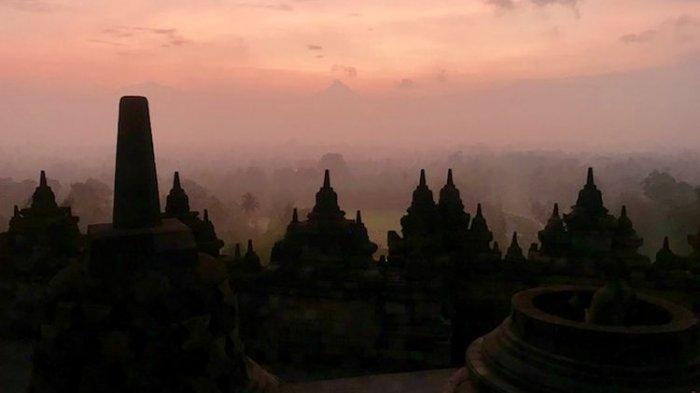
(550, 73)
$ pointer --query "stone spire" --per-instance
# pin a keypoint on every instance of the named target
(136, 200)
(251, 259)
(553, 237)
(326, 207)
(422, 195)
(479, 232)
(625, 238)
(422, 216)
(666, 259)
(358, 217)
(237, 252)
(590, 199)
(206, 215)
(295, 216)
(177, 203)
(43, 198)
(514, 252)
(449, 195)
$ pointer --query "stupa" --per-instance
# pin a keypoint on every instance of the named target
(144, 311)
(576, 339)
(177, 205)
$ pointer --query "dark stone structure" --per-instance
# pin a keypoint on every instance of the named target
(437, 238)
(177, 205)
(322, 287)
(143, 312)
(587, 238)
(552, 343)
(514, 255)
(326, 241)
(41, 240)
(694, 257)
(40, 237)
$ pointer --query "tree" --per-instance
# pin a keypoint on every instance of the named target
(249, 203)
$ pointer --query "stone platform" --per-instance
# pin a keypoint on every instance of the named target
(546, 345)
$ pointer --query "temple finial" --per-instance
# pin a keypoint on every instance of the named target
(206, 215)
(666, 246)
(176, 181)
(295, 215)
(250, 246)
(237, 251)
(136, 198)
(42, 179)
(555, 212)
(478, 209)
(422, 178)
(16, 212)
(449, 177)
(623, 212)
(327, 179)
(514, 240)
(358, 217)
(589, 177)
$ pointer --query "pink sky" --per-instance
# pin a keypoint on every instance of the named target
(65, 53)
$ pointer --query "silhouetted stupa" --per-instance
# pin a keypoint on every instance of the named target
(325, 236)
(144, 312)
(41, 236)
(177, 205)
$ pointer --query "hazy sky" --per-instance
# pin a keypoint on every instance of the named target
(536, 71)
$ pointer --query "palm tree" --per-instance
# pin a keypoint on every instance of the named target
(249, 203)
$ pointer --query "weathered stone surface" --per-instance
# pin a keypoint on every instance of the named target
(546, 345)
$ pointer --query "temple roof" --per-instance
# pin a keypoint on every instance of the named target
(590, 199)
(450, 199)
(422, 196)
(177, 202)
(326, 207)
(43, 198)
(514, 251)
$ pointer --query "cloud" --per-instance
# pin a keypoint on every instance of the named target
(346, 71)
(681, 26)
(685, 21)
(639, 38)
(511, 4)
(542, 3)
(406, 83)
(273, 7)
(504, 4)
(38, 6)
(314, 47)
(167, 37)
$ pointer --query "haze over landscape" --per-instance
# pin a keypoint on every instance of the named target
(518, 96)
(533, 74)
(349, 195)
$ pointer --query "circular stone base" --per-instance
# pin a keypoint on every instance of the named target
(538, 351)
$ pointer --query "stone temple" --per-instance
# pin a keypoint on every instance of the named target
(588, 238)
(41, 240)
(550, 343)
(177, 205)
(326, 239)
(144, 311)
(42, 235)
